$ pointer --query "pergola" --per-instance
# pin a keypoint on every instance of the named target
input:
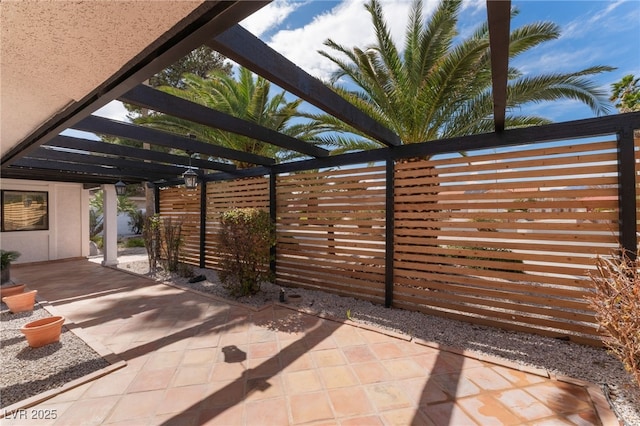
(45, 154)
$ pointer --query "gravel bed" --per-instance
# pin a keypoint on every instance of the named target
(560, 357)
(30, 371)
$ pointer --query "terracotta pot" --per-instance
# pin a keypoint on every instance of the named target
(21, 302)
(6, 291)
(43, 331)
(294, 299)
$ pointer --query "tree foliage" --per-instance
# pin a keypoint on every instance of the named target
(439, 86)
(200, 62)
(246, 97)
(626, 94)
(96, 214)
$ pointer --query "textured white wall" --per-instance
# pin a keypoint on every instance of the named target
(68, 233)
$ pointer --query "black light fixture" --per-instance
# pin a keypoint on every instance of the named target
(190, 177)
(121, 188)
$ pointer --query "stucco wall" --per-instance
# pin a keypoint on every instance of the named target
(68, 233)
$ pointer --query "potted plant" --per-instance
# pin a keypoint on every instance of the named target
(43, 331)
(6, 257)
(21, 302)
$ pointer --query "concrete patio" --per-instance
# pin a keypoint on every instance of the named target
(192, 359)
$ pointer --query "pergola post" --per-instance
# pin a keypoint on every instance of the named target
(156, 199)
(110, 225)
(389, 233)
(627, 193)
(273, 216)
(203, 222)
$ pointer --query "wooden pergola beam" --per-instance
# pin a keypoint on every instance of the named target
(148, 97)
(81, 144)
(211, 18)
(106, 126)
(101, 160)
(249, 51)
(499, 19)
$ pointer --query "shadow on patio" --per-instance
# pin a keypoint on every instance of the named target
(197, 360)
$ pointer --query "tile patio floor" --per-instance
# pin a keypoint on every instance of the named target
(194, 360)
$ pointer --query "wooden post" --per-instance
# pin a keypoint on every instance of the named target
(203, 222)
(389, 233)
(273, 213)
(627, 193)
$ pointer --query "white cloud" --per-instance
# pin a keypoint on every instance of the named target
(347, 23)
(269, 16)
(598, 22)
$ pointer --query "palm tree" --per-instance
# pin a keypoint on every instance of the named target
(248, 98)
(435, 89)
(626, 94)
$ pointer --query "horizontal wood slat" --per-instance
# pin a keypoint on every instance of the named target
(182, 206)
(506, 237)
(331, 231)
(502, 237)
(223, 196)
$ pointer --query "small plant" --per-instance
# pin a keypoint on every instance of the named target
(185, 270)
(151, 234)
(349, 315)
(96, 224)
(247, 236)
(136, 221)
(134, 242)
(171, 243)
(98, 240)
(616, 301)
(7, 256)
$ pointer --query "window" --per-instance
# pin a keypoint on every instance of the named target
(25, 210)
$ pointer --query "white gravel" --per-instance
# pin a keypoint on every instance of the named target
(30, 371)
(559, 357)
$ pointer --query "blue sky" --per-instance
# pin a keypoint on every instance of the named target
(592, 33)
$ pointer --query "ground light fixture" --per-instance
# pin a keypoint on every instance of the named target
(121, 188)
(190, 177)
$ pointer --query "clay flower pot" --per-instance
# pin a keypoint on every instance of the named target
(21, 302)
(6, 291)
(43, 331)
(294, 299)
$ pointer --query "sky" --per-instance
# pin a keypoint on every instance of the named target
(592, 33)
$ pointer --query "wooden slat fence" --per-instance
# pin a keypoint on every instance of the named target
(183, 205)
(506, 238)
(503, 237)
(331, 231)
(222, 196)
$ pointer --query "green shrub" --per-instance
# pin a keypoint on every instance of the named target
(8, 256)
(247, 236)
(616, 300)
(98, 240)
(134, 242)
